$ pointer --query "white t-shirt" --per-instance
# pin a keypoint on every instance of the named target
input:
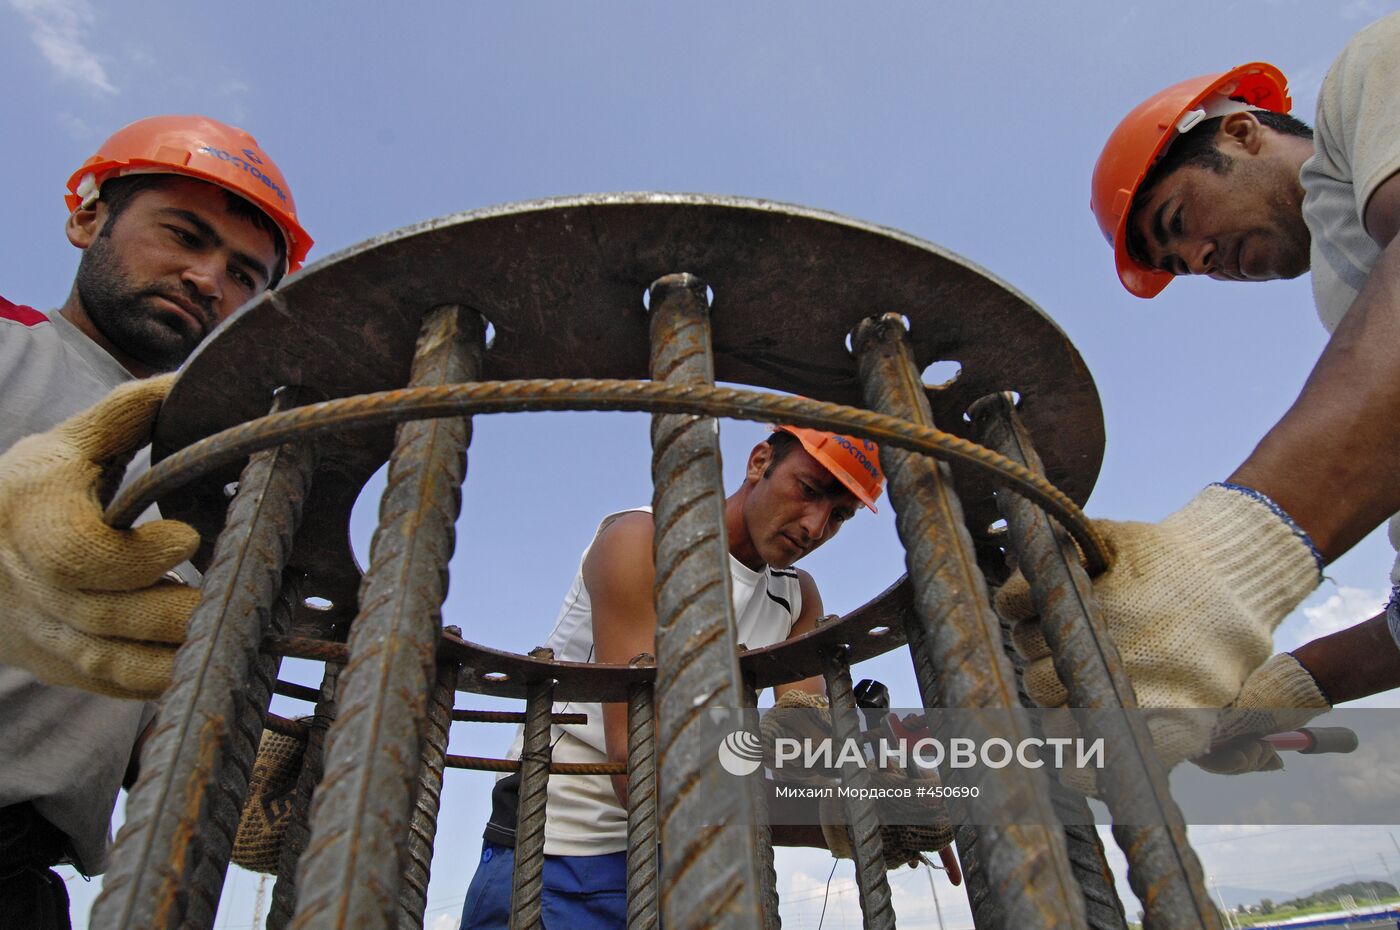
(582, 814)
(1357, 146)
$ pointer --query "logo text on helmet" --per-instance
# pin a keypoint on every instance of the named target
(239, 162)
(858, 455)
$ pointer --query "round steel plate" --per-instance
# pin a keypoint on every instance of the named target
(562, 281)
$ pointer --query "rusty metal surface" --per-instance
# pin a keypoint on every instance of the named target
(763, 827)
(561, 281)
(349, 877)
(527, 878)
(170, 824)
(643, 862)
(343, 416)
(284, 892)
(870, 630)
(1162, 868)
(710, 878)
(955, 641)
(418, 855)
(863, 826)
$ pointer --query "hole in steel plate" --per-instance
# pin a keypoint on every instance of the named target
(496, 677)
(996, 526)
(942, 373)
(318, 603)
(230, 489)
(490, 334)
(709, 296)
(646, 299)
(877, 631)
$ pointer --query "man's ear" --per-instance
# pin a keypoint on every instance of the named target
(84, 224)
(759, 460)
(1240, 132)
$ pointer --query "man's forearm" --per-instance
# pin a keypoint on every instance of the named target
(1333, 461)
(1353, 663)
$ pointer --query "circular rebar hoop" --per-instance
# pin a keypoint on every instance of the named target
(484, 397)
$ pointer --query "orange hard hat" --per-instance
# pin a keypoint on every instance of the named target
(201, 148)
(854, 462)
(1146, 133)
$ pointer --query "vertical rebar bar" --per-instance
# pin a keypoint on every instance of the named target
(643, 888)
(527, 881)
(710, 876)
(763, 828)
(413, 893)
(206, 880)
(284, 892)
(170, 826)
(1162, 868)
(955, 642)
(862, 823)
(350, 874)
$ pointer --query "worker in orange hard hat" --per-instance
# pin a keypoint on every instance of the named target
(800, 487)
(180, 220)
(1213, 177)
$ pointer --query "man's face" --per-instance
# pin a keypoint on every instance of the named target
(1243, 225)
(170, 267)
(794, 507)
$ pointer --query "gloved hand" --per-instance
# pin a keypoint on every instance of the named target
(262, 827)
(1191, 602)
(1279, 695)
(82, 604)
(803, 717)
(908, 829)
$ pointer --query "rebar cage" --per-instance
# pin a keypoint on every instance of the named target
(380, 353)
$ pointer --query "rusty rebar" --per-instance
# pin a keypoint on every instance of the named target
(169, 825)
(527, 880)
(368, 411)
(298, 834)
(955, 642)
(710, 876)
(413, 893)
(351, 872)
(862, 823)
(1162, 868)
(763, 827)
(643, 854)
(512, 716)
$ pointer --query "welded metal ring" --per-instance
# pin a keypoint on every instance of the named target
(561, 283)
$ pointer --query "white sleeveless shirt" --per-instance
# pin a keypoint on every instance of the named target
(583, 816)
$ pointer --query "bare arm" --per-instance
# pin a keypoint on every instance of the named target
(806, 622)
(1353, 663)
(619, 573)
(1333, 461)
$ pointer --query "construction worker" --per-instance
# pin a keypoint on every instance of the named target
(799, 487)
(1211, 176)
(180, 220)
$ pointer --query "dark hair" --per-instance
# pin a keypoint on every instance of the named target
(1197, 148)
(118, 193)
(782, 442)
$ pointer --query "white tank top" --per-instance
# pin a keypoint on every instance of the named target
(583, 816)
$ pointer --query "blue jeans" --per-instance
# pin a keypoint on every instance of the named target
(580, 892)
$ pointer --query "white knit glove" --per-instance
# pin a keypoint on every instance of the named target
(82, 604)
(1279, 695)
(1191, 603)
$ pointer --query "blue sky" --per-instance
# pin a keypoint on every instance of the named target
(974, 126)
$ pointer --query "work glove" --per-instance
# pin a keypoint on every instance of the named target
(262, 827)
(1279, 695)
(804, 717)
(908, 828)
(1191, 603)
(83, 604)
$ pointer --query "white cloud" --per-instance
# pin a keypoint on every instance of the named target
(1345, 607)
(445, 922)
(75, 126)
(58, 28)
